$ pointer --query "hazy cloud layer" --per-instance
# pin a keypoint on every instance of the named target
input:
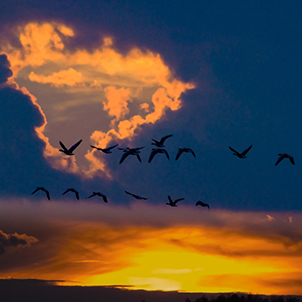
(97, 243)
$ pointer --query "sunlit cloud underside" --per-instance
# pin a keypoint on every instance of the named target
(100, 94)
(155, 247)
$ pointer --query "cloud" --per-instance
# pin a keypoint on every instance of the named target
(8, 241)
(68, 77)
(117, 93)
(92, 243)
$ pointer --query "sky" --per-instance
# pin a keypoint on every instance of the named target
(212, 74)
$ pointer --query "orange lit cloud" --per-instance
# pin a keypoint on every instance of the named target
(97, 85)
(152, 247)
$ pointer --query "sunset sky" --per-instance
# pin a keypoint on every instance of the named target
(213, 74)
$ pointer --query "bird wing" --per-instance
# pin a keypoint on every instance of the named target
(47, 194)
(166, 152)
(66, 191)
(109, 148)
(104, 198)
(95, 147)
(138, 157)
(178, 154)
(234, 150)
(247, 150)
(152, 154)
(75, 145)
(162, 140)
(292, 160)
(192, 152)
(77, 195)
(90, 195)
(124, 156)
(177, 200)
(35, 191)
(63, 146)
(170, 199)
(279, 159)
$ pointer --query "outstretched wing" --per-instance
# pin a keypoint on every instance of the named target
(192, 152)
(279, 159)
(77, 195)
(124, 156)
(247, 150)
(63, 146)
(35, 191)
(109, 148)
(233, 150)
(138, 157)
(177, 200)
(162, 140)
(104, 198)
(75, 145)
(128, 193)
(170, 199)
(47, 194)
(95, 147)
(178, 154)
(152, 154)
(166, 152)
(292, 160)
(66, 191)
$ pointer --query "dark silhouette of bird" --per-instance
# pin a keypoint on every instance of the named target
(105, 150)
(136, 196)
(200, 203)
(71, 149)
(42, 189)
(130, 151)
(173, 203)
(160, 143)
(284, 155)
(243, 154)
(98, 194)
(155, 151)
(72, 190)
(182, 150)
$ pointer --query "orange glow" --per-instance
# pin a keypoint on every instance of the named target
(103, 79)
(139, 247)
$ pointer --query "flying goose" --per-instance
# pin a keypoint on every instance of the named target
(155, 151)
(42, 189)
(173, 203)
(200, 203)
(71, 149)
(284, 155)
(130, 151)
(181, 150)
(98, 194)
(160, 143)
(72, 190)
(105, 150)
(136, 196)
(243, 154)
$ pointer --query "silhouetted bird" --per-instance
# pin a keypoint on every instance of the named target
(72, 190)
(200, 203)
(155, 151)
(284, 155)
(130, 151)
(42, 189)
(182, 150)
(136, 196)
(98, 194)
(243, 154)
(71, 149)
(160, 143)
(173, 203)
(105, 150)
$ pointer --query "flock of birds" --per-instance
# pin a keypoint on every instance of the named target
(136, 151)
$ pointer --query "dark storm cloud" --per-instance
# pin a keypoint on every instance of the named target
(23, 167)
(14, 240)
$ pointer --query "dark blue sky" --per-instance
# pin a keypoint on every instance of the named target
(245, 61)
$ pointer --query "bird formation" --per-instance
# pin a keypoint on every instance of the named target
(158, 150)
